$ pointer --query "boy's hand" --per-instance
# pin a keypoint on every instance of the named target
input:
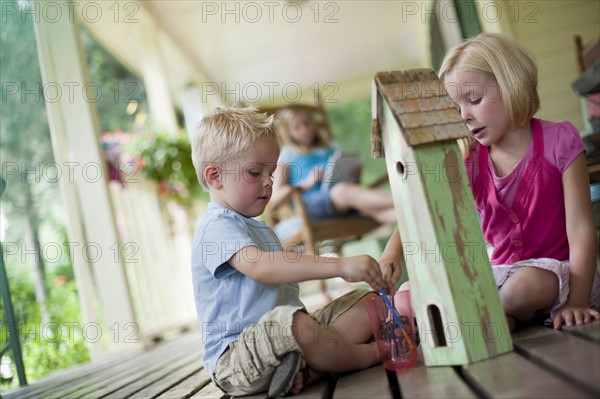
(573, 315)
(362, 268)
(391, 272)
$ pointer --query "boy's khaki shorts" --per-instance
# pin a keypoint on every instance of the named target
(249, 363)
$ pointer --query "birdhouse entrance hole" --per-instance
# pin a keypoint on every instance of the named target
(435, 321)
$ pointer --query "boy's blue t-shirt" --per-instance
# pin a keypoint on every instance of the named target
(227, 300)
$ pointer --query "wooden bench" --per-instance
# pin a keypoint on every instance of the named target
(545, 364)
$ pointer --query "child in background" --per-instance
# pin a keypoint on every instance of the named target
(304, 157)
(530, 183)
(257, 334)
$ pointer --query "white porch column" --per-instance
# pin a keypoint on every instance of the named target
(160, 101)
(193, 108)
(97, 259)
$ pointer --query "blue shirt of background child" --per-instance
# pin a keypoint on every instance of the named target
(300, 165)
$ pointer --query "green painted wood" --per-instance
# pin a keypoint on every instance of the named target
(444, 249)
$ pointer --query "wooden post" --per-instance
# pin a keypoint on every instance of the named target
(456, 301)
(97, 258)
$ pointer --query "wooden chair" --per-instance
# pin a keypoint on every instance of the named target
(287, 215)
(587, 85)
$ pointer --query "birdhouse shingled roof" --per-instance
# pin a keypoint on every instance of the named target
(421, 106)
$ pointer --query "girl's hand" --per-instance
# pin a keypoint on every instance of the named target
(313, 178)
(391, 272)
(574, 315)
(362, 268)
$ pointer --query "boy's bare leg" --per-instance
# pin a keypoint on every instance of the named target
(342, 338)
(328, 350)
(354, 323)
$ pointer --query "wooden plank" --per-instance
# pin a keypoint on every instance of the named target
(590, 331)
(154, 359)
(575, 359)
(513, 376)
(159, 383)
(131, 383)
(60, 378)
(99, 382)
(129, 369)
(432, 382)
(371, 383)
(187, 387)
(210, 391)
(321, 389)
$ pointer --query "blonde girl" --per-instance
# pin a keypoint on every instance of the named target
(303, 159)
(530, 183)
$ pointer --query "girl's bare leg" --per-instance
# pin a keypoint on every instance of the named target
(367, 201)
(527, 291)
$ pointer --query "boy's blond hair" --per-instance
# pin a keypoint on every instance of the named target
(284, 120)
(510, 64)
(225, 134)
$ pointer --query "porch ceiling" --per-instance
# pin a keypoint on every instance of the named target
(270, 44)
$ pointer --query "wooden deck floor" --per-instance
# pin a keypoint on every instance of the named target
(545, 364)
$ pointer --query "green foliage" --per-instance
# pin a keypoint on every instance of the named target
(351, 126)
(118, 87)
(60, 343)
(31, 202)
(166, 159)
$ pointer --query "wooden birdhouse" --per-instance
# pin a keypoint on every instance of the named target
(458, 309)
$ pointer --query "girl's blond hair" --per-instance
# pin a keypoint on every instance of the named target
(284, 118)
(508, 63)
(225, 134)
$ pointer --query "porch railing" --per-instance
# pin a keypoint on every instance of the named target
(156, 238)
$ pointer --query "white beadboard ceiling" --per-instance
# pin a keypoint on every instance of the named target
(271, 45)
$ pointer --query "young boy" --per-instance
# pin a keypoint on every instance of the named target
(257, 334)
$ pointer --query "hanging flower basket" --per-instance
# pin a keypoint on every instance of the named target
(166, 159)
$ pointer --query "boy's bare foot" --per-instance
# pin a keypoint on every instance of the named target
(304, 378)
